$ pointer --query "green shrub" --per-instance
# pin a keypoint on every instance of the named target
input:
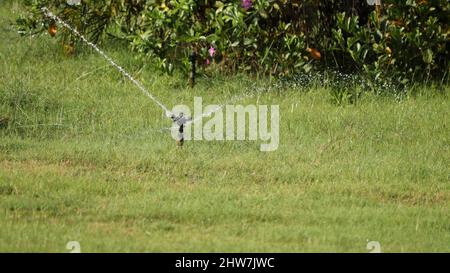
(408, 40)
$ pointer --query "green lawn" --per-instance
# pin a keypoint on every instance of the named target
(82, 160)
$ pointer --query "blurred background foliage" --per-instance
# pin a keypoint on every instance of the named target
(404, 40)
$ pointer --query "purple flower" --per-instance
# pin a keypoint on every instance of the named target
(211, 51)
(246, 4)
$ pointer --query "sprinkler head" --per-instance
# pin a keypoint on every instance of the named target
(180, 119)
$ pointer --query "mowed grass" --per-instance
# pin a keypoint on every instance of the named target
(82, 159)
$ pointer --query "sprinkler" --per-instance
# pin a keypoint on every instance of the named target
(180, 121)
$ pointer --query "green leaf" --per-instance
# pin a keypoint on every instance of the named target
(307, 67)
(428, 56)
(235, 44)
(263, 14)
